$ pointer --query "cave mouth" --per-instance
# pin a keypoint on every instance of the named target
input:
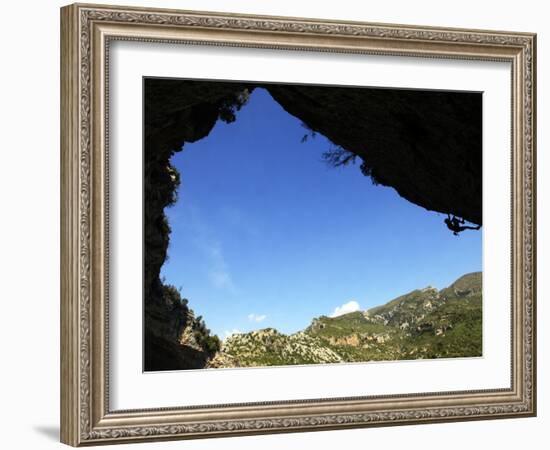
(299, 182)
(191, 118)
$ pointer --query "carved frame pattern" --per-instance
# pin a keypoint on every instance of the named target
(86, 418)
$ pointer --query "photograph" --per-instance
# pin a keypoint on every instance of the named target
(297, 224)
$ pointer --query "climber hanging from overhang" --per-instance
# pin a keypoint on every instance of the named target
(456, 225)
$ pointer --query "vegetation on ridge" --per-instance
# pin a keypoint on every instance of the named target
(423, 324)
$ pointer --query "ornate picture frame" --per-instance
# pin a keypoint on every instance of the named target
(87, 31)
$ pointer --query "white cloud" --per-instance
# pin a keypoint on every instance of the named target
(256, 317)
(229, 333)
(346, 308)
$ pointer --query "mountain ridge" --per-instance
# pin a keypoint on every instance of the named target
(424, 323)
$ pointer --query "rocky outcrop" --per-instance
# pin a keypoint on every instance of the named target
(223, 360)
(406, 310)
(174, 338)
(268, 347)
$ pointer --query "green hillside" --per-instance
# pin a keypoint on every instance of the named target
(425, 323)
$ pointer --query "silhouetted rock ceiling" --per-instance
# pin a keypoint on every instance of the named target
(426, 145)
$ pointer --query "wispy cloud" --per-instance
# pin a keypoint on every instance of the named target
(217, 268)
(219, 272)
(221, 280)
(256, 317)
(240, 220)
(346, 308)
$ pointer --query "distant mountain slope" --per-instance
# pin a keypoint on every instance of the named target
(425, 323)
(268, 347)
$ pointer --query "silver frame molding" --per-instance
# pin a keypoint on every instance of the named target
(86, 31)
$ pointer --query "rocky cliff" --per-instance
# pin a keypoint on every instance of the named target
(173, 117)
(268, 347)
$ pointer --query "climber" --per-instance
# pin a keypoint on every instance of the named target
(456, 225)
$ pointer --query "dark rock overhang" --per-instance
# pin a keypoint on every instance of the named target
(424, 144)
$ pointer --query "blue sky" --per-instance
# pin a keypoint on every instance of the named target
(266, 234)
